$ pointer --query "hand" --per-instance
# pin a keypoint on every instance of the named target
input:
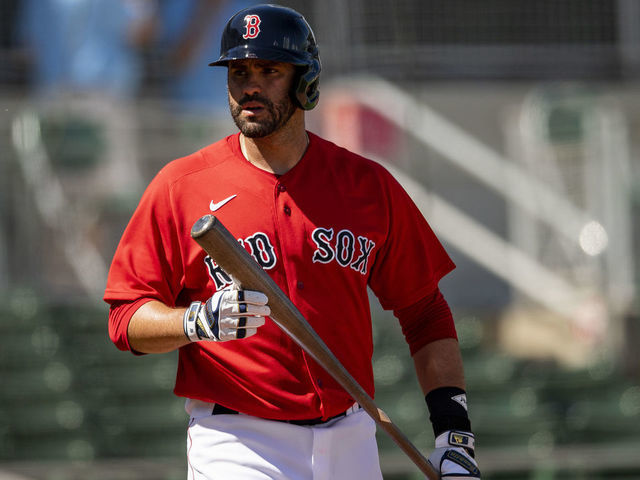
(227, 315)
(453, 456)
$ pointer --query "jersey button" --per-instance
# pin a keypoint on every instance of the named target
(300, 285)
(287, 211)
(282, 188)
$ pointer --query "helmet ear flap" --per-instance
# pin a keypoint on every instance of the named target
(306, 92)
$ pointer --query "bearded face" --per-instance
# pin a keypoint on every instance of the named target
(259, 96)
(273, 115)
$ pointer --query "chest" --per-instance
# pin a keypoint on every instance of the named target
(286, 225)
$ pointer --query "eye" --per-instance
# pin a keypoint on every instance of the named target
(238, 71)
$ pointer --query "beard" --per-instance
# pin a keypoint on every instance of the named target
(278, 114)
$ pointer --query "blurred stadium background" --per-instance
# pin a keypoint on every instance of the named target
(512, 123)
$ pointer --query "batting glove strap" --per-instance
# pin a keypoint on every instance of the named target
(453, 438)
(189, 321)
(195, 324)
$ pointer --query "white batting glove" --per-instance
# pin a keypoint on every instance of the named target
(452, 458)
(227, 315)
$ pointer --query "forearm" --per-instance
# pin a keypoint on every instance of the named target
(441, 376)
(156, 328)
(439, 364)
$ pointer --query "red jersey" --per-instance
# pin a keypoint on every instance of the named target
(324, 231)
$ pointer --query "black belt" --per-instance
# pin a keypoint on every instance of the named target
(220, 410)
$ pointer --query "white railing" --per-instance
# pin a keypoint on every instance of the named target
(69, 231)
(541, 202)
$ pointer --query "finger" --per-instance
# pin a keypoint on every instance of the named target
(243, 309)
(233, 333)
(249, 332)
(241, 332)
(248, 326)
(252, 322)
(251, 297)
(245, 296)
(230, 324)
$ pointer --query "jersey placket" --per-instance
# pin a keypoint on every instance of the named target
(290, 238)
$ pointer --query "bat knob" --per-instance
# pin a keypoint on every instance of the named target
(202, 225)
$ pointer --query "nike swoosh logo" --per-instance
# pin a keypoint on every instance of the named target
(213, 206)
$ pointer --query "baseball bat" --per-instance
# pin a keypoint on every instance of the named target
(226, 251)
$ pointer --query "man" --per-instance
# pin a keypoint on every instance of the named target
(325, 224)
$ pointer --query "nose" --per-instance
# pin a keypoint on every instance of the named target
(252, 85)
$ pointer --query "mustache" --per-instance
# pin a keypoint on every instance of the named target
(254, 98)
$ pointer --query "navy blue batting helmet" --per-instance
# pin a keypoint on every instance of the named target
(280, 34)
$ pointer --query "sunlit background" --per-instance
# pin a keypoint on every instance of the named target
(514, 126)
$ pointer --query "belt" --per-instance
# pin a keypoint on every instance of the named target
(221, 410)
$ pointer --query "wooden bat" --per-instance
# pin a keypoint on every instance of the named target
(222, 247)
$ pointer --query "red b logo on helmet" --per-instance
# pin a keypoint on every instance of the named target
(252, 24)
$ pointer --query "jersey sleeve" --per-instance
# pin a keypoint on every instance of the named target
(412, 260)
(147, 262)
(427, 320)
(120, 314)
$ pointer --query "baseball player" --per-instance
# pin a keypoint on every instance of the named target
(325, 224)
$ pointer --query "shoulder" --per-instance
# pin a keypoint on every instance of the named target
(345, 161)
(197, 163)
(358, 175)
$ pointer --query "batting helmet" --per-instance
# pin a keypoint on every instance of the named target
(272, 32)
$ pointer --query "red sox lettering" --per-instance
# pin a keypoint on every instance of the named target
(260, 248)
(219, 276)
(344, 250)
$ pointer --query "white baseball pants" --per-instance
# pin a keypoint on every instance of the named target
(242, 447)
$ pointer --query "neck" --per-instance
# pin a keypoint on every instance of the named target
(279, 152)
